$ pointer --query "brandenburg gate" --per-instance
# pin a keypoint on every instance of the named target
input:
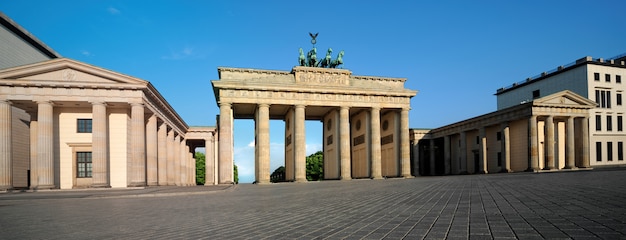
(365, 120)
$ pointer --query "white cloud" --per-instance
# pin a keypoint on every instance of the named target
(113, 11)
(184, 53)
(252, 144)
(86, 53)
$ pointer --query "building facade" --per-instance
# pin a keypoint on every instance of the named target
(596, 79)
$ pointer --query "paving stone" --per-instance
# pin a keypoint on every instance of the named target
(578, 205)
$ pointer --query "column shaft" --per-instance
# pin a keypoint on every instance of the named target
(431, 154)
(585, 135)
(482, 151)
(176, 153)
(300, 145)
(152, 151)
(33, 150)
(549, 143)
(344, 143)
(570, 149)
(534, 144)
(405, 145)
(45, 147)
(463, 152)
(6, 166)
(375, 143)
(209, 167)
(446, 155)
(170, 158)
(99, 146)
(263, 144)
(225, 149)
(162, 155)
(182, 162)
(506, 149)
(138, 146)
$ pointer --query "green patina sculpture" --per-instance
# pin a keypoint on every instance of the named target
(311, 58)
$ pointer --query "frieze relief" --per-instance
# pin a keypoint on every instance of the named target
(322, 79)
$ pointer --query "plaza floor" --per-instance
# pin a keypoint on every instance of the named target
(562, 205)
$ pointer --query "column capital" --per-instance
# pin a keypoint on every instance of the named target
(262, 104)
(225, 104)
(6, 101)
(44, 102)
(375, 108)
(98, 102)
(136, 104)
(300, 106)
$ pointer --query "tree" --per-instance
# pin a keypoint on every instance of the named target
(200, 168)
(278, 175)
(315, 166)
(236, 175)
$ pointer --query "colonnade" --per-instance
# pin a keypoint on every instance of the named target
(158, 153)
(495, 141)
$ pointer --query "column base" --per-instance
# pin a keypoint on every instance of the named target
(137, 185)
(346, 179)
(153, 184)
(570, 168)
(378, 177)
(408, 176)
(506, 171)
(301, 180)
(6, 188)
(43, 187)
(482, 172)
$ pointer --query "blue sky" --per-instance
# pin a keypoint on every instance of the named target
(455, 53)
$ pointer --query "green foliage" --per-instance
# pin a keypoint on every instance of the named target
(278, 175)
(200, 168)
(236, 175)
(315, 166)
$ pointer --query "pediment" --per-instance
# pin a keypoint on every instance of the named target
(565, 98)
(67, 71)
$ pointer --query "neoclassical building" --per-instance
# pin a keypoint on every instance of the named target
(365, 120)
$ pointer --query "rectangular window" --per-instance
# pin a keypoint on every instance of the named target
(598, 97)
(607, 77)
(536, 94)
(596, 76)
(619, 99)
(603, 98)
(598, 151)
(83, 125)
(619, 123)
(609, 123)
(598, 123)
(618, 78)
(620, 151)
(83, 164)
(608, 99)
(609, 151)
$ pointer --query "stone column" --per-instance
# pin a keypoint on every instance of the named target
(534, 144)
(33, 150)
(431, 154)
(570, 149)
(152, 151)
(585, 137)
(170, 157)
(344, 143)
(375, 143)
(454, 162)
(506, 148)
(209, 167)
(263, 144)
(99, 146)
(482, 151)
(45, 145)
(446, 155)
(6, 166)
(176, 160)
(463, 152)
(162, 154)
(225, 149)
(549, 143)
(405, 147)
(300, 144)
(182, 162)
(138, 146)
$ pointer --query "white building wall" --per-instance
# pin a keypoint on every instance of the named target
(574, 80)
(119, 120)
(67, 129)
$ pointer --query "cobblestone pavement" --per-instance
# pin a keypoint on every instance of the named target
(566, 205)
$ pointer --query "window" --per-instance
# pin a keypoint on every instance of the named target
(536, 94)
(619, 99)
(83, 125)
(607, 77)
(609, 151)
(598, 151)
(620, 151)
(619, 123)
(598, 123)
(477, 140)
(596, 76)
(603, 98)
(618, 78)
(499, 159)
(83, 164)
(609, 123)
